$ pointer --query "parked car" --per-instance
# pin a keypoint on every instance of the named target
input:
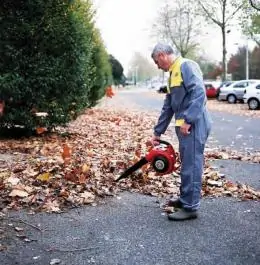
(252, 96)
(211, 88)
(235, 91)
(222, 85)
(211, 91)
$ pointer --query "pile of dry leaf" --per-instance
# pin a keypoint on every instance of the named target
(78, 165)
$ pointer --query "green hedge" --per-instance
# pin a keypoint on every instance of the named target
(52, 60)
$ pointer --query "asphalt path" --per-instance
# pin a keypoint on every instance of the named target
(229, 130)
(131, 229)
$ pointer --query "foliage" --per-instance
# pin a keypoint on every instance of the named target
(221, 13)
(250, 23)
(47, 61)
(81, 169)
(255, 4)
(142, 68)
(177, 24)
(210, 70)
(237, 64)
(102, 69)
(117, 70)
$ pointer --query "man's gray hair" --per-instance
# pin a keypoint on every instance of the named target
(162, 48)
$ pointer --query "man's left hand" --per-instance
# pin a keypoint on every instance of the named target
(185, 128)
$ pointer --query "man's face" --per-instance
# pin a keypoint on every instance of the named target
(161, 60)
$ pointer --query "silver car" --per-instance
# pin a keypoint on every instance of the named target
(236, 90)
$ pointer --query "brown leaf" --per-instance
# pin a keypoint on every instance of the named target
(88, 197)
(19, 168)
(71, 176)
(41, 130)
(18, 193)
(2, 107)
(82, 179)
(66, 152)
(52, 206)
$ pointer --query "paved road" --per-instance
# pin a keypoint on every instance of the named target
(237, 132)
(132, 230)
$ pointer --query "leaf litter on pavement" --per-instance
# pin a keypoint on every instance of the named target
(78, 164)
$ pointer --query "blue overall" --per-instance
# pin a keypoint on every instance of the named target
(186, 99)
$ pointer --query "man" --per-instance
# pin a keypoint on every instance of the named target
(186, 99)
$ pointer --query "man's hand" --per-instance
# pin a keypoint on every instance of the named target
(155, 140)
(185, 128)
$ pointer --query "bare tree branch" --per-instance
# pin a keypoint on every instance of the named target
(209, 15)
(235, 11)
(177, 24)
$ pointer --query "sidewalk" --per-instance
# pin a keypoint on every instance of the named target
(123, 227)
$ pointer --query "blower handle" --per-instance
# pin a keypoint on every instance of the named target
(163, 142)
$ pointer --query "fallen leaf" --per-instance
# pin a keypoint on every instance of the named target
(12, 180)
(66, 152)
(44, 177)
(85, 168)
(18, 193)
(18, 229)
(4, 175)
(41, 130)
(109, 92)
(2, 247)
(52, 206)
(82, 179)
(55, 261)
(215, 183)
(88, 197)
(2, 107)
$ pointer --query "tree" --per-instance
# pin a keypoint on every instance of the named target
(255, 63)
(117, 70)
(221, 13)
(254, 29)
(237, 64)
(250, 24)
(210, 70)
(142, 68)
(255, 4)
(177, 24)
(47, 61)
(102, 75)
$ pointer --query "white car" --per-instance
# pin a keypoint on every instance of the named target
(235, 91)
(252, 96)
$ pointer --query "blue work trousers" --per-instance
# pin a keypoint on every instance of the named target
(191, 149)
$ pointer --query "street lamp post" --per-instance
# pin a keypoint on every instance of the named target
(247, 60)
(136, 75)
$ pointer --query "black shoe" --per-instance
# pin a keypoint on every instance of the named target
(182, 215)
(174, 203)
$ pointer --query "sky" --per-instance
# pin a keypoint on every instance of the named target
(126, 27)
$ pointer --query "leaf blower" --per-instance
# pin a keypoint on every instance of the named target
(162, 158)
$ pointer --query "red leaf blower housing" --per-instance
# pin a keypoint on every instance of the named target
(162, 158)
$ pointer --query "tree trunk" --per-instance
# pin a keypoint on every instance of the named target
(224, 53)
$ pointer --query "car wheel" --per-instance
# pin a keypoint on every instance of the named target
(231, 99)
(253, 104)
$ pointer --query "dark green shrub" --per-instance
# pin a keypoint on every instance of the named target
(48, 61)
